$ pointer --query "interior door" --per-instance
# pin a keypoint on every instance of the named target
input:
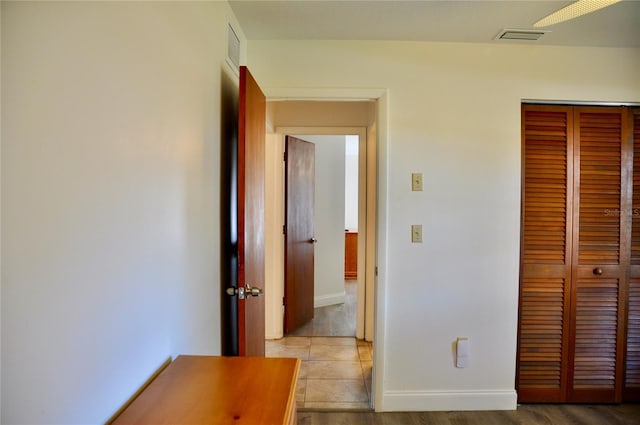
(299, 232)
(545, 269)
(632, 372)
(243, 222)
(601, 253)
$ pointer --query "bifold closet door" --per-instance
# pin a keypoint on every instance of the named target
(632, 363)
(545, 274)
(601, 249)
(575, 254)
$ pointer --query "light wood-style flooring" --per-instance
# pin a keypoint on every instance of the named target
(333, 320)
(531, 414)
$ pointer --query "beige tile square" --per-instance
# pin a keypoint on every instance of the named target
(336, 405)
(304, 369)
(301, 389)
(365, 353)
(333, 352)
(336, 390)
(279, 350)
(303, 341)
(329, 369)
(367, 367)
(333, 340)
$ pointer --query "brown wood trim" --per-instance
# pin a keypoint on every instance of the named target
(135, 395)
(291, 409)
(350, 255)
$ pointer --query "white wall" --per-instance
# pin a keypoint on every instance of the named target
(454, 115)
(329, 219)
(110, 199)
(351, 183)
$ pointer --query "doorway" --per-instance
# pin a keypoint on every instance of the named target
(334, 292)
(329, 352)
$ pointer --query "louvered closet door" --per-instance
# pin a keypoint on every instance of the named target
(632, 373)
(601, 254)
(545, 254)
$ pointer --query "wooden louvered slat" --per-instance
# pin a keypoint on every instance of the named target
(596, 324)
(599, 189)
(541, 331)
(544, 254)
(545, 180)
(632, 378)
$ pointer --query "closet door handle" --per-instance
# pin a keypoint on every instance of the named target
(597, 271)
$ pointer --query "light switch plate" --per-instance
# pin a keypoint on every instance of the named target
(416, 233)
(416, 182)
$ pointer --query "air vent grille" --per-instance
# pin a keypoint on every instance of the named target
(520, 34)
(233, 49)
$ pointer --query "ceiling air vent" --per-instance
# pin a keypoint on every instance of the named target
(233, 49)
(529, 35)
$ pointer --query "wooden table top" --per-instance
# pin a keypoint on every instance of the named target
(199, 390)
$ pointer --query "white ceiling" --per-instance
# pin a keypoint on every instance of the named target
(475, 21)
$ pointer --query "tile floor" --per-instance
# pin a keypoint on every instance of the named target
(335, 371)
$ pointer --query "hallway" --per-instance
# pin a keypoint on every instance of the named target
(335, 371)
(336, 367)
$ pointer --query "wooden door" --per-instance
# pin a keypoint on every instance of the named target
(632, 363)
(601, 240)
(545, 270)
(299, 232)
(242, 222)
(575, 254)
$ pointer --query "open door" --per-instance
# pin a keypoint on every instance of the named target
(299, 232)
(243, 303)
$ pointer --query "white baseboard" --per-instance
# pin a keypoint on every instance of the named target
(411, 401)
(273, 335)
(329, 299)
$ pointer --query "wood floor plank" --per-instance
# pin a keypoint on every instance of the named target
(530, 414)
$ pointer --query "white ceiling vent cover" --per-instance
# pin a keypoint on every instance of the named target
(233, 49)
(527, 35)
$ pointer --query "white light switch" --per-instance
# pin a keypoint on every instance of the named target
(416, 182)
(416, 233)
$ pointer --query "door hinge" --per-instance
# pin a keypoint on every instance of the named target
(284, 229)
(284, 156)
(376, 271)
(283, 302)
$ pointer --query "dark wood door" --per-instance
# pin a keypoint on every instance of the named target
(242, 219)
(576, 250)
(299, 232)
(600, 255)
(545, 270)
(251, 184)
(632, 362)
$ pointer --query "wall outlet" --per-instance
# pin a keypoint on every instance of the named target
(463, 352)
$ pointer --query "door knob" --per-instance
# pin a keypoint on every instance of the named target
(254, 292)
(244, 291)
(597, 271)
(313, 240)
